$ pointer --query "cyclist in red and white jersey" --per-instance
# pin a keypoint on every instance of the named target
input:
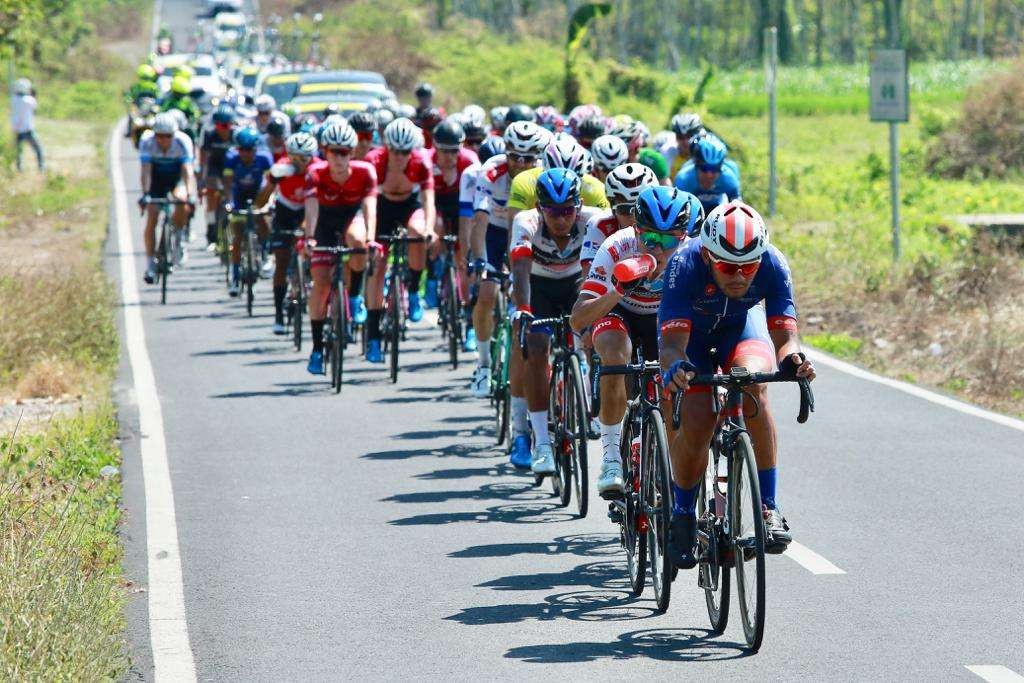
(365, 125)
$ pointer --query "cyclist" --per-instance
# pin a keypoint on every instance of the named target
(709, 177)
(425, 100)
(498, 123)
(548, 118)
(650, 157)
(335, 192)
(590, 129)
(729, 290)
(286, 180)
(365, 126)
(519, 112)
(244, 168)
(546, 274)
(275, 134)
(631, 132)
(165, 156)
(213, 148)
(608, 152)
(624, 310)
(406, 199)
(475, 132)
(524, 141)
(684, 126)
(622, 187)
(179, 98)
(144, 86)
(426, 120)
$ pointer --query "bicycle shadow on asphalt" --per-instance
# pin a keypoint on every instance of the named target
(585, 545)
(289, 389)
(454, 450)
(490, 471)
(494, 491)
(520, 513)
(667, 645)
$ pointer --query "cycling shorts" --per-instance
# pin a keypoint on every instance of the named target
(752, 339)
(496, 242)
(551, 297)
(407, 212)
(641, 328)
(163, 185)
(286, 221)
(332, 225)
(448, 212)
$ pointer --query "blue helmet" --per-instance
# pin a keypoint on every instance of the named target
(492, 146)
(558, 186)
(696, 213)
(709, 149)
(247, 138)
(667, 209)
(224, 113)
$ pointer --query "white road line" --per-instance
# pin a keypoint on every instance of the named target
(994, 673)
(913, 390)
(810, 560)
(168, 631)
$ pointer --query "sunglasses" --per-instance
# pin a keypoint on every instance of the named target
(364, 136)
(652, 239)
(747, 270)
(339, 151)
(709, 168)
(163, 136)
(222, 126)
(299, 158)
(522, 158)
(560, 211)
(625, 209)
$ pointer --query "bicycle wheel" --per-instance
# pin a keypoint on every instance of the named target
(454, 322)
(340, 322)
(576, 424)
(713, 577)
(656, 492)
(251, 270)
(746, 522)
(164, 259)
(299, 304)
(634, 537)
(395, 327)
(224, 244)
(499, 383)
(561, 440)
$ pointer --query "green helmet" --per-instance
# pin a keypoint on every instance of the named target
(145, 72)
(180, 85)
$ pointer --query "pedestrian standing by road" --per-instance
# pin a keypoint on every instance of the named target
(23, 115)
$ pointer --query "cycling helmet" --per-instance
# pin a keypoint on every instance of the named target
(626, 130)
(498, 117)
(363, 122)
(663, 139)
(709, 150)
(301, 144)
(428, 118)
(591, 128)
(224, 114)
(686, 124)
(492, 146)
(145, 72)
(518, 112)
(276, 128)
(609, 152)
(625, 183)
(338, 134)
(449, 134)
(734, 232)
(402, 135)
(247, 138)
(185, 70)
(180, 118)
(474, 113)
(558, 186)
(696, 214)
(265, 104)
(475, 131)
(564, 152)
(309, 124)
(644, 131)
(165, 123)
(588, 161)
(424, 90)
(548, 117)
(405, 111)
(525, 137)
(662, 209)
(581, 113)
(384, 117)
(180, 85)
(331, 109)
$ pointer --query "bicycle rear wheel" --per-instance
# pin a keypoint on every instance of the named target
(454, 321)
(395, 328)
(634, 537)
(299, 303)
(164, 259)
(251, 270)
(499, 383)
(340, 322)
(713, 576)
(576, 424)
(561, 439)
(746, 521)
(656, 494)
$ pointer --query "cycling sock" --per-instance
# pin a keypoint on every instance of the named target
(539, 422)
(483, 350)
(236, 272)
(211, 232)
(767, 480)
(356, 287)
(279, 293)
(520, 420)
(317, 328)
(611, 435)
(373, 324)
(413, 283)
(684, 501)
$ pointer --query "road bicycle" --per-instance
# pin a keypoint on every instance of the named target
(395, 295)
(450, 301)
(567, 411)
(337, 329)
(501, 350)
(731, 528)
(298, 291)
(252, 250)
(169, 243)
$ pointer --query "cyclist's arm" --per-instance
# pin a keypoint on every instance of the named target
(521, 281)
(269, 185)
(672, 348)
(597, 295)
(370, 216)
(478, 234)
(204, 163)
(190, 179)
(429, 210)
(512, 213)
(786, 341)
(312, 214)
(145, 176)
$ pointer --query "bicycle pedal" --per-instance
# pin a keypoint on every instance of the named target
(614, 513)
(611, 495)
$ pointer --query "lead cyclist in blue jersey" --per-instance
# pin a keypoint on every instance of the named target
(732, 291)
(708, 175)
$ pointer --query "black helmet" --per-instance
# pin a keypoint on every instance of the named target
(428, 118)
(494, 144)
(424, 90)
(518, 112)
(475, 132)
(591, 128)
(449, 134)
(363, 122)
(275, 128)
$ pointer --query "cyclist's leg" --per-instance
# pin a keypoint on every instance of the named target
(417, 250)
(212, 202)
(689, 448)
(180, 215)
(152, 214)
(612, 342)
(375, 283)
(322, 270)
(286, 220)
(483, 311)
(355, 238)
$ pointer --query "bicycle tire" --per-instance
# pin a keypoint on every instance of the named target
(299, 304)
(577, 399)
(340, 321)
(395, 331)
(251, 268)
(743, 484)
(454, 322)
(561, 481)
(163, 261)
(633, 540)
(499, 385)
(711, 567)
(657, 494)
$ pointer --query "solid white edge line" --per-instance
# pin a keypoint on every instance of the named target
(810, 560)
(993, 673)
(914, 390)
(168, 630)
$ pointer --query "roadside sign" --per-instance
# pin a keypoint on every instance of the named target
(890, 97)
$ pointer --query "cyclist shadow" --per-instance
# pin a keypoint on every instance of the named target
(289, 389)
(457, 450)
(451, 473)
(499, 491)
(481, 430)
(597, 574)
(520, 513)
(667, 645)
(585, 545)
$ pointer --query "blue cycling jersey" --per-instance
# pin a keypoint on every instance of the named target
(692, 302)
(247, 180)
(727, 185)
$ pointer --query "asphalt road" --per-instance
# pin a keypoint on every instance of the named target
(379, 534)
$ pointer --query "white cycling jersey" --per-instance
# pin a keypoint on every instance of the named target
(601, 226)
(622, 245)
(530, 237)
(493, 185)
(166, 163)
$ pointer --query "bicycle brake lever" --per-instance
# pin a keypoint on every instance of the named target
(806, 401)
(677, 405)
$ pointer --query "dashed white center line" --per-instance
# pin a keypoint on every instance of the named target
(810, 560)
(993, 673)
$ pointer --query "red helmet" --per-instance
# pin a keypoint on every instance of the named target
(734, 232)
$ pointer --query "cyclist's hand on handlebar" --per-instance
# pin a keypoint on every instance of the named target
(677, 377)
(375, 246)
(797, 365)
(143, 201)
(300, 245)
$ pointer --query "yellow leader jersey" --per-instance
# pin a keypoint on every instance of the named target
(523, 193)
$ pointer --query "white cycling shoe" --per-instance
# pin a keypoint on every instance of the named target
(543, 460)
(609, 482)
(481, 385)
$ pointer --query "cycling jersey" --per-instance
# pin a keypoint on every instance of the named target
(216, 149)
(247, 180)
(727, 184)
(361, 183)
(531, 239)
(493, 191)
(291, 189)
(447, 193)
(523, 194)
(467, 189)
(166, 164)
(143, 89)
(183, 104)
(419, 170)
(600, 227)
(644, 299)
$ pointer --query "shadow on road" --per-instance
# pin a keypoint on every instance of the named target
(586, 545)
(287, 389)
(457, 450)
(467, 472)
(667, 645)
(520, 513)
(500, 491)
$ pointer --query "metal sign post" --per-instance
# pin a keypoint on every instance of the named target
(771, 61)
(890, 101)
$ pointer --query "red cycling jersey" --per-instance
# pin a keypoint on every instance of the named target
(419, 171)
(361, 183)
(466, 158)
(291, 190)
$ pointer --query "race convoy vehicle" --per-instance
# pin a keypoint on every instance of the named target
(283, 86)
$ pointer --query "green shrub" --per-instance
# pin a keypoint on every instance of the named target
(838, 344)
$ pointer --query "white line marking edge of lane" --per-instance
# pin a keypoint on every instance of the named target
(810, 560)
(914, 390)
(994, 673)
(168, 630)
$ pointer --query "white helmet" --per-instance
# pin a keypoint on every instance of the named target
(402, 135)
(734, 232)
(23, 86)
(265, 104)
(384, 117)
(165, 123)
(525, 137)
(474, 113)
(301, 144)
(625, 183)
(564, 152)
(339, 134)
(663, 139)
(498, 117)
(406, 111)
(609, 152)
(686, 124)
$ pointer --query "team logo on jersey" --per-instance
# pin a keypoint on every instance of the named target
(709, 290)
(600, 272)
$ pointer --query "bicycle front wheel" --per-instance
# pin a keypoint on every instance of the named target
(340, 322)
(499, 383)
(746, 520)
(299, 304)
(576, 424)
(164, 259)
(713, 574)
(251, 270)
(454, 321)
(634, 536)
(395, 328)
(657, 495)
